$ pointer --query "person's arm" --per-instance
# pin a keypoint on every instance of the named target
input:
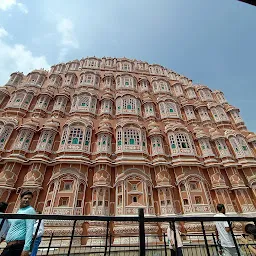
(41, 229)
(226, 225)
(29, 231)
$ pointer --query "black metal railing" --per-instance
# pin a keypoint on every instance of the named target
(145, 240)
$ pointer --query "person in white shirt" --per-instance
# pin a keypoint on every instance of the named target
(5, 227)
(38, 238)
(171, 238)
(224, 233)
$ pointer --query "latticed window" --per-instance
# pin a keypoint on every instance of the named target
(149, 109)
(129, 105)
(87, 140)
(221, 98)
(17, 100)
(160, 86)
(46, 141)
(43, 102)
(106, 107)
(205, 147)
(181, 143)
(4, 135)
(204, 114)
(222, 148)
(157, 145)
(191, 93)
(178, 90)
(60, 103)
(219, 114)
(75, 135)
(87, 79)
(205, 94)
(76, 138)
(104, 143)
(131, 139)
(144, 85)
(126, 67)
(168, 109)
(23, 140)
(190, 112)
(236, 147)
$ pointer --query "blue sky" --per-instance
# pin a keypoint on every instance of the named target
(210, 42)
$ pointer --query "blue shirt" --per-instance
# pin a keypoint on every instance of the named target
(4, 229)
(22, 229)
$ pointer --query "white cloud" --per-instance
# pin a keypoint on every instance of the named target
(3, 32)
(17, 58)
(65, 27)
(8, 4)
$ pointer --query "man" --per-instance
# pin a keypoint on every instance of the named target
(171, 238)
(224, 233)
(38, 238)
(20, 233)
(5, 227)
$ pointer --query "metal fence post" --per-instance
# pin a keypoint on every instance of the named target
(165, 250)
(142, 232)
(106, 243)
(49, 246)
(71, 239)
(233, 236)
(205, 239)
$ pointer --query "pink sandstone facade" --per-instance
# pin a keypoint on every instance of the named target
(108, 136)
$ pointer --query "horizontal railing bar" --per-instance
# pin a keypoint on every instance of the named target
(125, 218)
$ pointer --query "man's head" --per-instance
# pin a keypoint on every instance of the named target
(3, 206)
(250, 229)
(25, 199)
(221, 208)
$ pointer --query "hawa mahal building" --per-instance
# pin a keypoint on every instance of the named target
(108, 136)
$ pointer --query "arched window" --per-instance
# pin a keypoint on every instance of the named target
(157, 145)
(240, 146)
(126, 82)
(203, 112)
(143, 85)
(106, 107)
(104, 143)
(76, 137)
(222, 148)
(168, 110)
(84, 103)
(128, 105)
(160, 86)
(46, 140)
(190, 114)
(70, 80)
(236, 116)
(24, 139)
(60, 103)
(178, 90)
(205, 94)
(220, 97)
(191, 93)
(149, 109)
(5, 133)
(42, 102)
(180, 143)
(219, 114)
(130, 139)
(205, 147)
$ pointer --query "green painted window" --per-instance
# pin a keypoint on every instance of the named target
(118, 107)
(143, 144)
(171, 110)
(27, 141)
(225, 147)
(220, 147)
(62, 142)
(244, 147)
(50, 141)
(86, 142)
(126, 83)
(154, 145)
(2, 140)
(184, 145)
(132, 141)
(18, 100)
(119, 143)
(75, 141)
(203, 147)
(173, 146)
(129, 107)
(99, 143)
(44, 140)
(104, 142)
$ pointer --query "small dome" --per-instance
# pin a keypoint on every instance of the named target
(251, 137)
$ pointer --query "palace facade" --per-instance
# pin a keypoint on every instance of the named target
(108, 136)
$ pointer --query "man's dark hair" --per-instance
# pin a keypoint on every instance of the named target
(3, 206)
(250, 229)
(25, 193)
(220, 207)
